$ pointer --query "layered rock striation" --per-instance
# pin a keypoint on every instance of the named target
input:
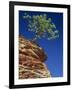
(31, 60)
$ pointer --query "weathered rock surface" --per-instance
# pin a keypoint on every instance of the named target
(31, 60)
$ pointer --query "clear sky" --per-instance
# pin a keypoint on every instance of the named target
(53, 48)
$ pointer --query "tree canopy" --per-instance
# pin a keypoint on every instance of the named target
(41, 26)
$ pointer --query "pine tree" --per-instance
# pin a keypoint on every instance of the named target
(41, 26)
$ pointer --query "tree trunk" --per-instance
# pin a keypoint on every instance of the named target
(34, 39)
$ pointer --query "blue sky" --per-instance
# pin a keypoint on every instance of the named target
(53, 48)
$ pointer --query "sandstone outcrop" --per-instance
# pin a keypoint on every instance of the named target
(31, 60)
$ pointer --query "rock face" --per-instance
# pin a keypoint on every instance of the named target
(31, 60)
